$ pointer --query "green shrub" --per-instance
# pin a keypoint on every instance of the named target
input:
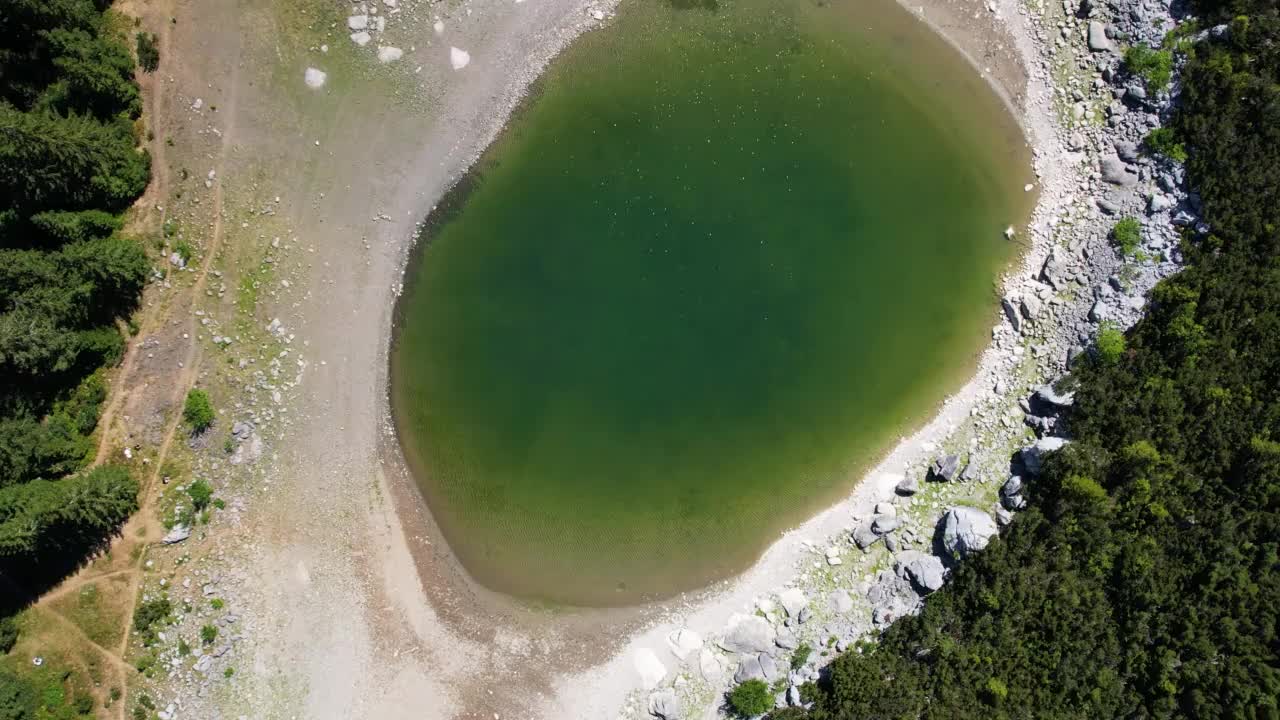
(1127, 236)
(1162, 141)
(149, 613)
(148, 52)
(1155, 67)
(18, 698)
(1111, 344)
(800, 656)
(751, 698)
(208, 634)
(217, 603)
(8, 634)
(200, 493)
(198, 412)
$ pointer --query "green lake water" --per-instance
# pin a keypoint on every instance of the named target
(716, 265)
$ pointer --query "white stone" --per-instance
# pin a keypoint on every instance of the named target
(361, 38)
(709, 665)
(684, 642)
(438, 27)
(314, 78)
(387, 53)
(459, 58)
(793, 601)
(747, 633)
(649, 668)
(358, 22)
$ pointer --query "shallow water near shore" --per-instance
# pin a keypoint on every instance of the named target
(721, 260)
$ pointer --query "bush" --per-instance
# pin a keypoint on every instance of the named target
(751, 698)
(18, 698)
(1111, 343)
(148, 614)
(800, 656)
(8, 634)
(1127, 236)
(148, 52)
(1163, 142)
(208, 634)
(200, 493)
(1155, 67)
(198, 412)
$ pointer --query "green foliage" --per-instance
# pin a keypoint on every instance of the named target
(198, 411)
(208, 634)
(1126, 235)
(217, 603)
(147, 615)
(148, 52)
(751, 698)
(8, 634)
(52, 515)
(69, 165)
(1110, 343)
(800, 656)
(200, 493)
(1141, 580)
(1163, 141)
(18, 698)
(1155, 67)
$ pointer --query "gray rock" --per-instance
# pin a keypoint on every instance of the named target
(1159, 202)
(1055, 270)
(749, 669)
(1013, 501)
(909, 485)
(786, 639)
(966, 530)
(1108, 206)
(1098, 40)
(1003, 516)
(793, 601)
(747, 634)
(804, 616)
(1030, 306)
(864, 536)
(1032, 456)
(924, 570)
(891, 542)
(1011, 312)
(1115, 172)
(177, 534)
(769, 667)
(1047, 394)
(840, 601)
(793, 696)
(1126, 150)
(1012, 486)
(884, 524)
(945, 468)
(664, 704)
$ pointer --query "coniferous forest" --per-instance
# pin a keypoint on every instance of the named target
(70, 165)
(1144, 580)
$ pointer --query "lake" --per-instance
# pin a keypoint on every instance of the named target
(725, 255)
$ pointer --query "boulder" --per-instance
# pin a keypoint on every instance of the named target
(1030, 306)
(1011, 311)
(649, 668)
(1012, 486)
(769, 667)
(1127, 150)
(1032, 456)
(177, 534)
(966, 530)
(664, 704)
(358, 22)
(1054, 271)
(884, 524)
(749, 669)
(1114, 171)
(908, 486)
(793, 601)
(1098, 40)
(709, 665)
(945, 468)
(864, 536)
(925, 571)
(1047, 394)
(684, 642)
(786, 639)
(747, 634)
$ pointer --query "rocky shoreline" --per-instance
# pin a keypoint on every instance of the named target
(1088, 116)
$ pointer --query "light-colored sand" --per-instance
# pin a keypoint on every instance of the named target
(352, 605)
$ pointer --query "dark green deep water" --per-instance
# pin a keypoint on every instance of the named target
(713, 269)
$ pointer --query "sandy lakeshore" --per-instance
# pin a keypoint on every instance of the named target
(349, 602)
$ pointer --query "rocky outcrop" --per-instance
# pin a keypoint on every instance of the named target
(747, 634)
(966, 530)
(925, 571)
